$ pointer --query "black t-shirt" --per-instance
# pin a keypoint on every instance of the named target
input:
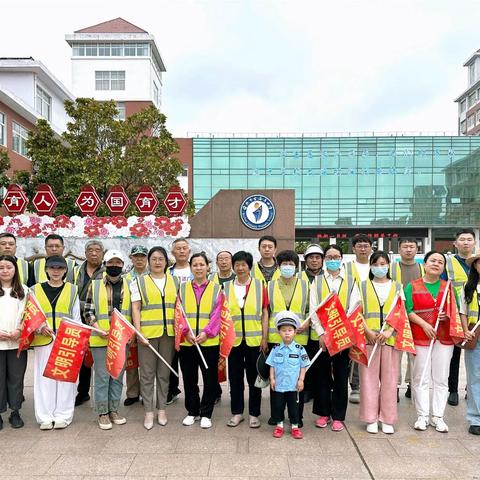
(52, 293)
(226, 279)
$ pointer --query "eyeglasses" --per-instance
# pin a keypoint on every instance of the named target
(333, 258)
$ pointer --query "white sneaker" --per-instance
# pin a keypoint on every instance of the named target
(148, 421)
(388, 429)
(439, 424)
(372, 427)
(421, 423)
(205, 422)
(190, 420)
(46, 426)
(60, 424)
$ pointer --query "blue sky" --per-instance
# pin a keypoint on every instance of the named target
(280, 66)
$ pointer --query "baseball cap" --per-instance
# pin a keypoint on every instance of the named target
(139, 250)
(313, 248)
(286, 317)
(56, 261)
(113, 254)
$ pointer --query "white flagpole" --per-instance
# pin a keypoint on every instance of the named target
(471, 331)
(314, 358)
(310, 315)
(432, 341)
(381, 330)
(195, 343)
(132, 327)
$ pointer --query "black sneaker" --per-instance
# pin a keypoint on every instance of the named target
(80, 399)
(474, 429)
(453, 399)
(408, 392)
(15, 419)
(271, 421)
(172, 397)
(131, 400)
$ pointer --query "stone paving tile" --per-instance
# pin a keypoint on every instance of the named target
(26, 465)
(227, 465)
(432, 446)
(463, 468)
(406, 467)
(146, 444)
(62, 445)
(327, 466)
(91, 464)
(309, 445)
(221, 444)
(170, 464)
(374, 445)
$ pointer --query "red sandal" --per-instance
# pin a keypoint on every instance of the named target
(278, 432)
(297, 434)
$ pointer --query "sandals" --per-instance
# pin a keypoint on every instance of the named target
(235, 421)
(254, 422)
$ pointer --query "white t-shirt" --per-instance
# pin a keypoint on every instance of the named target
(183, 274)
(363, 270)
(135, 294)
(11, 312)
(382, 289)
(240, 293)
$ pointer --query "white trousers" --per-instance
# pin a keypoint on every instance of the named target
(436, 374)
(53, 401)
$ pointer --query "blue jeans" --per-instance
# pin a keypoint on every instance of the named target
(472, 363)
(107, 390)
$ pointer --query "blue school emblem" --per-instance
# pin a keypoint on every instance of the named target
(257, 212)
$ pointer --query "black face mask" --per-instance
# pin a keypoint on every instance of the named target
(114, 271)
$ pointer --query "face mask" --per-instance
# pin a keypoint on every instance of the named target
(333, 265)
(287, 271)
(379, 272)
(114, 271)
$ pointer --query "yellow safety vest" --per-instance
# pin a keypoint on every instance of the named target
(213, 277)
(303, 275)
(351, 271)
(322, 290)
(129, 276)
(41, 275)
(158, 308)
(298, 305)
(472, 309)
(373, 312)
(257, 273)
(396, 271)
(100, 303)
(456, 273)
(22, 270)
(247, 320)
(198, 315)
(63, 309)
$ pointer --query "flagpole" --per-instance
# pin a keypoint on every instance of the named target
(193, 336)
(471, 331)
(120, 316)
(432, 341)
(381, 330)
(314, 358)
(98, 330)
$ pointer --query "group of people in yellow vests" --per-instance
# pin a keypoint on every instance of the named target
(275, 337)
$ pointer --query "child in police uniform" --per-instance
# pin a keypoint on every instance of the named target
(288, 362)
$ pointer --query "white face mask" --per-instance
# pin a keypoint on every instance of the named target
(287, 271)
(379, 272)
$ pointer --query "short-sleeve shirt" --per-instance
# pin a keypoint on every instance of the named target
(287, 360)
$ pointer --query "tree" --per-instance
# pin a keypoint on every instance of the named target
(4, 166)
(99, 150)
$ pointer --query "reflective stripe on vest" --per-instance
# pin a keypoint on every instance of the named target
(63, 308)
(396, 271)
(351, 271)
(158, 308)
(41, 276)
(22, 270)
(322, 290)
(456, 273)
(472, 310)
(100, 302)
(298, 305)
(257, 273)
(373, 312)
(248, 324)
(198, 315)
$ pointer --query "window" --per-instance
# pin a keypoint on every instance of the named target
(470, 122)
(117, 50)
(43, 104)
(91, 50)
(471, 73)
(121, 111)
(111, 49)
(20, 135)
(472, 99)
(142, 49)
(104, 50)
(3, 135)
(110, 80)
(463, 105)
(130, 50)
(463, 127)
(79, 50)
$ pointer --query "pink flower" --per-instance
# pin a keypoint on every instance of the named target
(88, 221)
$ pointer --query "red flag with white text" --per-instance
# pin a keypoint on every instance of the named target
(180, 323)
(119, 335)
(33, 318)
(227, 338)
(358, 352)
(397, 318)
(68, 350)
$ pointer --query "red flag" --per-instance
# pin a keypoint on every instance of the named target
(119, 335)
(358, 352)
(180, 324)
(339, 333)
(455, 327)
(33, 318)
(68, 350)
(88, 360)
(132, 358)
(227, 338)
(397, 318)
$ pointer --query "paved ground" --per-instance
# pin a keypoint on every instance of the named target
(82, 451)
